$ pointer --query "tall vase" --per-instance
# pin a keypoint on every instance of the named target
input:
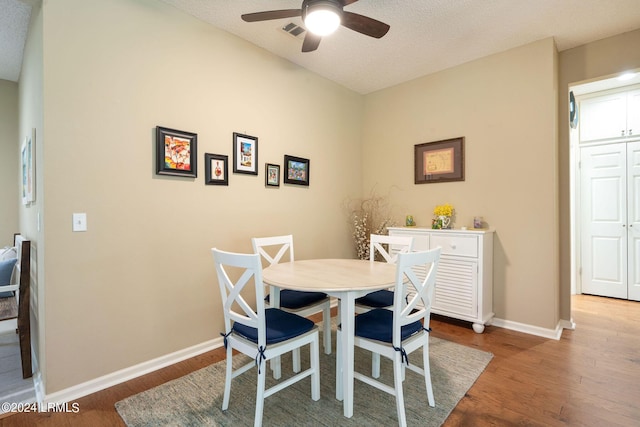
(445, 221)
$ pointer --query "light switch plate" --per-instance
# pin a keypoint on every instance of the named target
(79, 222)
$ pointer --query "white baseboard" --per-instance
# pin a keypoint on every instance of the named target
(118, 377)
(568, 324)
(530, 329)
(38, 385)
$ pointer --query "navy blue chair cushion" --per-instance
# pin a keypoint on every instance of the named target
(298, 299)
(377, 325)
(6, 268)
(281, 326)
(377, 299)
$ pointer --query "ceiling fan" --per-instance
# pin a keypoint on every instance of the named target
(322, 17)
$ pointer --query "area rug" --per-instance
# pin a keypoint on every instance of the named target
(8, 308)
(196, 399)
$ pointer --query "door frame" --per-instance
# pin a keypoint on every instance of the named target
(580, 90)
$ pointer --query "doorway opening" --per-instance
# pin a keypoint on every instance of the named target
(604, 188)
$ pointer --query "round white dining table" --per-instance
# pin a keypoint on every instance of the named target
(346, 279)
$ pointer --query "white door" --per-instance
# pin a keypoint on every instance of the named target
(633, 218)
(603, 199)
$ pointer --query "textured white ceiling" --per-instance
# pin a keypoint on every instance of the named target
(426, 35)
(14, 23)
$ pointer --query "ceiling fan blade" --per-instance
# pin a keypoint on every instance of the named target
(348, 2)
(311, 42)
(364, 24)
(271, 14)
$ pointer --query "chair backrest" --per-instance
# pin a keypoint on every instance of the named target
(403, 243)
(235, 307)
(420, 289)
(284, 245)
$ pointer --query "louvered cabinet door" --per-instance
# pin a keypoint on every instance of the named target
(456, 293)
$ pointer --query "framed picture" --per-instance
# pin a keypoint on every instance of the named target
(439, 161)
(176, 152)
(296, 170)
(216, 169)
(271, 175)
(31, 149)
(245, 154)
(27, 154)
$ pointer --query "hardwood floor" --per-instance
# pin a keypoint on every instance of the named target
(590, 377)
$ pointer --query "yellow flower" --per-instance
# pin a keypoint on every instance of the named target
(443, 210)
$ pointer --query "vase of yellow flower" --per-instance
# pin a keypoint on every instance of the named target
(443, 215)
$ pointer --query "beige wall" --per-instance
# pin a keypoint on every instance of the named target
(9, 162)
(505, 107)
(140, 283)
(31, 117)
(589, 62)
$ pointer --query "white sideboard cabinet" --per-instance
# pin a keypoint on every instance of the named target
(464, 281)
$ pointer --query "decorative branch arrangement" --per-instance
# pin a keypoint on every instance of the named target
(371, 215)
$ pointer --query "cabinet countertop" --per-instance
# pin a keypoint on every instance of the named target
(439, 230)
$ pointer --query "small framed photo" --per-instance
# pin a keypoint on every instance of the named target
(176, 152)
(245, 154)
(216, 169)
(271, 175)
(439, 161)
(296, 170)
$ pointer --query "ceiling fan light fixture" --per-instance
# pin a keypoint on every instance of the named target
(322, 17)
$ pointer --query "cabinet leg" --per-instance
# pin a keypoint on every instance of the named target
(478, 328)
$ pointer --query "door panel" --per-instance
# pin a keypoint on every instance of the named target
(604, 211)
(603, 117)
(633, 218)
(633, 113)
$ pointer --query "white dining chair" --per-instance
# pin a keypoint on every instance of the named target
(397, 333)
(280, 249)
(384, 297)
(263, 333)
(395, 245)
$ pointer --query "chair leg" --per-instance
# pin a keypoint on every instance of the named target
(296, 360)
(427, 374)
(375, 365)
(397, 381)
(227, 379)
(276, 367)
(339, 392)
(326, 328)
(314, 358)
(262, 375)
